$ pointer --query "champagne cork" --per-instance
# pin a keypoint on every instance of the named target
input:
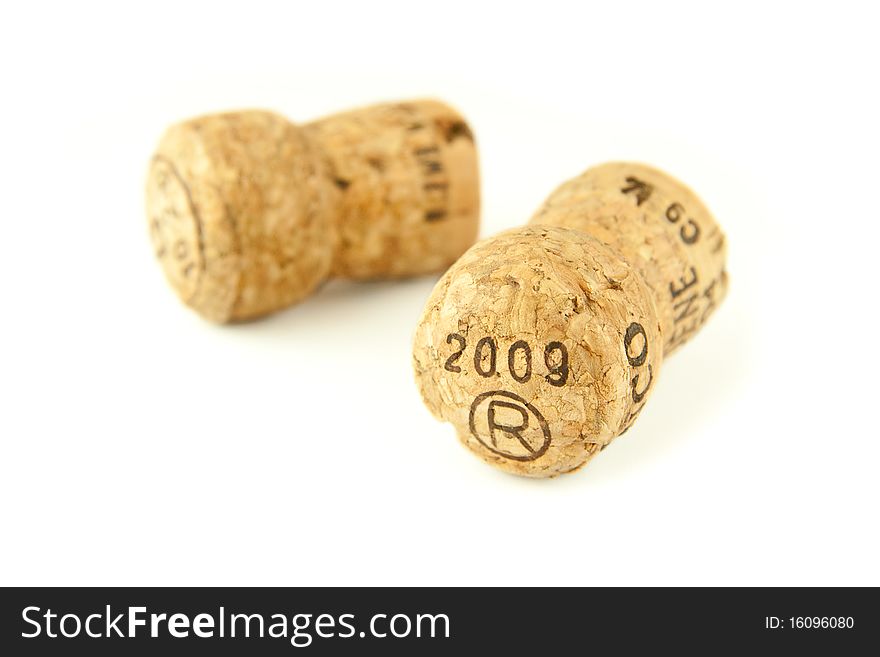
(543, 344)
(249, 213)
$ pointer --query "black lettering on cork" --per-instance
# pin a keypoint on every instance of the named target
(695, 308)
(513, 430)
(685, 284)
(632, 331)
(435, 182)
(450, 364)
(690, 231)
(520, 362)
(509, 426)
(457, 130)
(431, 167)
(639, 188)
(637, 360)
(558, 372)
(638, 396)
(689, 307)
(479, 354)
(520, 345)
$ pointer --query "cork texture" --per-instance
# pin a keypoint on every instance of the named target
(543, 344)
(249, 213)
(527, 330)
(659, 226)
(409, 188)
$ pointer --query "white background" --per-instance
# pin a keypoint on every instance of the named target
(142, 445)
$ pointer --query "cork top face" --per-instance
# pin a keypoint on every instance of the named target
(540, 346)
(241, 199)
(249, 213)
(175, 230)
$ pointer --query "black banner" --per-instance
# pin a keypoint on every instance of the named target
(276, 621)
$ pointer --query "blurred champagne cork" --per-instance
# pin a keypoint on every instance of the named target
(542, 344)
(249, 213)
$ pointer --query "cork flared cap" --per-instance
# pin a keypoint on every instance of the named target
(249, 213)
(236, 210)
(526, 346)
